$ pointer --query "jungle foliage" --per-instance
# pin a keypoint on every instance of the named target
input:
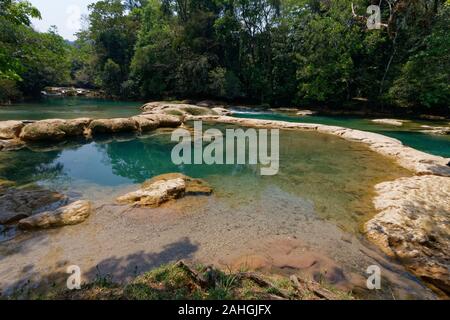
(278, 52)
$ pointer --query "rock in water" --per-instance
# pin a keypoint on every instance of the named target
(113, 125)
(156, 193)
(414, 226)
(163, 120)
(71, 214)
(54, 129)
(146, 124)
(391, 122)
(193, 186)
(10, 129)
(163, 188)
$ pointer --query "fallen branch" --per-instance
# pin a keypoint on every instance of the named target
(194, 275)
(313, 287)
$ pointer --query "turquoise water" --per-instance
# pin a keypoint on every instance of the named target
(408, 133)
(69, 108)
(329, 172)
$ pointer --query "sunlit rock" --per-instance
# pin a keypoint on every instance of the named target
(414, 225)
(10, 129)
(54, 129)
(392, 122)
(115, 125)
(74, 213)
(163, 188)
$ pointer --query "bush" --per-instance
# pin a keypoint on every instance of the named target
(9, 91)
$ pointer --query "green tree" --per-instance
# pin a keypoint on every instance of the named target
(429, 86)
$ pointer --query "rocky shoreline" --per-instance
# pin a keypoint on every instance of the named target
(414, 216)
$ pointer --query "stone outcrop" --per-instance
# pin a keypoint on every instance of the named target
(116, 125)
(146, 124)
(54, 129)
(155, 194)
(182, 109)
(71, 92)
(10, 129)
(163, 120)
(413, 224)
(16, 204)
(15, 134)
(391, 122)
(193, 186)
(160, 189)
(436, 130)
(72, 214)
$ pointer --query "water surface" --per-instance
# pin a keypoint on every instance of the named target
(409, 133)
(69, 108)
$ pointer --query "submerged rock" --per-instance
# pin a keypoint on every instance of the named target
(414, 226)
(115, 125)
(160, 189)
(10, 129)
(74, 213)
(16, 204)
(392, 122)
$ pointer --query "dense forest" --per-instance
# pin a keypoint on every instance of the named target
(277, 52)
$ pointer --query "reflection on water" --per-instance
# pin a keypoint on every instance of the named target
(333, 174)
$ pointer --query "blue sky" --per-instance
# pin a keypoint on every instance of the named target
(64, 14)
